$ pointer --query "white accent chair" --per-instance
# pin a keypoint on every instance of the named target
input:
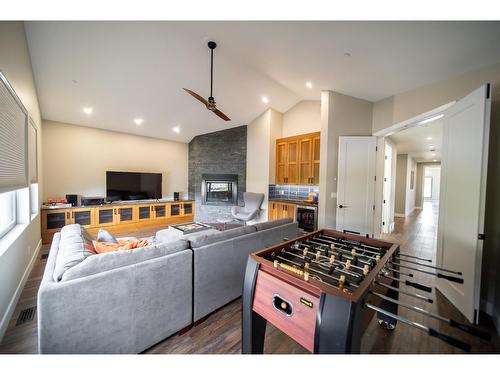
(251, 209)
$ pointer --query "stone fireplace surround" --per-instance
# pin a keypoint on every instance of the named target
(223, 153)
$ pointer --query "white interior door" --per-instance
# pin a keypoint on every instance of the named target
(462, 195)
(356, 184)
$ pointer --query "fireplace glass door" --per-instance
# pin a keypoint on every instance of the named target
(220, 192)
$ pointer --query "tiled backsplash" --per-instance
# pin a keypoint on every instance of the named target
(292, 192)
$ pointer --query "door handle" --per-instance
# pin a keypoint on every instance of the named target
(342, 206)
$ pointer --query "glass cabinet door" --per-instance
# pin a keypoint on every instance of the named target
(160, 211)
(188, 208)
(125, 214)
(82, 217)
(145, 213)
(175, 210)
(105, 216)
(56, 220)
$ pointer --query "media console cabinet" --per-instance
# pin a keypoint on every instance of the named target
(116, 216)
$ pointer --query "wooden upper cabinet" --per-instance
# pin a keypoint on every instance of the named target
(315, 162)
(297, 160)
(281, 162)
(292, 176)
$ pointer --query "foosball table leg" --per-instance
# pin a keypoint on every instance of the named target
(253, 325)
(385, 321)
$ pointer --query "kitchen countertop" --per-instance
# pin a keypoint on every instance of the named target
(299, 202)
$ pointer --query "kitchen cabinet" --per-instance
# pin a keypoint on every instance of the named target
(297, 160)
(281, 210)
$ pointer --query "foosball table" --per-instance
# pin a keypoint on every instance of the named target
(323, 289)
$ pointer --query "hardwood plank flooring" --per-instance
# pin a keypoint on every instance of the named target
(220, 333)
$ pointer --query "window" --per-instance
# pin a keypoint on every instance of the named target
(7, 212)
(34, 198)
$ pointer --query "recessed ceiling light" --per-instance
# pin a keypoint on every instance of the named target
(176, 129)
(430, 119)
(434, 160)
(431, 147)
(88, 110)
(433, 154)
(309, 85)
(138, 121)
(429, 138)
(265, 100)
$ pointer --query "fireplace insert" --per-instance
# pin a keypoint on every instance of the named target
(219, 189)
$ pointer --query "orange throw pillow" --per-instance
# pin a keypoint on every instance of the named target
(108, 247)
(105, 247)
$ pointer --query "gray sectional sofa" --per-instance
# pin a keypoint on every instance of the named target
(127, 301)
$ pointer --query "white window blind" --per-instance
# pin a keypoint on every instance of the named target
(32, 151)
(13, 129)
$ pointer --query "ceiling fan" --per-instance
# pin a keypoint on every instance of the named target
(210, 103)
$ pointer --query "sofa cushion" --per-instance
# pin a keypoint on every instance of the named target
(75, 246)
(272, 224)
(108, 261)
(207, 239)
(104, 236)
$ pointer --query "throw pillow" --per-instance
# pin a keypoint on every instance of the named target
(108, 247)
(105, 236)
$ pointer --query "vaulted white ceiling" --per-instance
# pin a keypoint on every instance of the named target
(126, 70)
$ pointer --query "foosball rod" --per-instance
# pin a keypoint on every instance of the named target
(426, 265)
(410, 283)
(415, 257)
(345, 251)
(437, 274)
(452, 323)
(342, 255)
(401, 273)
(312, 272)
(414, 295)
(345, 271)
(323, 238)
(430, 331)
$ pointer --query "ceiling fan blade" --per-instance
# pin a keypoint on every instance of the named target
(199, 97)
(221, 115)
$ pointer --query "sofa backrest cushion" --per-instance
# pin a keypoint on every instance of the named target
(272, 224)
(204, 240)
(108, 261)
(75, 246)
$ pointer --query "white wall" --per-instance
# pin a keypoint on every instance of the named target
(340, 115)
(404, 193)
(76, 159)
(261, 154)
(303, 118)
(411, 188)
(403, 106)
(18, 256)
(401, 181)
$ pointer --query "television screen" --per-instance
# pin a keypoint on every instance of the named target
(123, 186)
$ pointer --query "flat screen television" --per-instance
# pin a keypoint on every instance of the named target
(124, 186)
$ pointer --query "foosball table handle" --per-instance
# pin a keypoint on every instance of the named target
(471, 330)
(450, 340)
(418, 286)
(450, 278)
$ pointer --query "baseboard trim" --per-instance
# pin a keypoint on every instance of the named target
(4, 323)
(399, 215)
(418, 208)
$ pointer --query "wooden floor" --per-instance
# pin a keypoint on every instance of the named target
(221, 332)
